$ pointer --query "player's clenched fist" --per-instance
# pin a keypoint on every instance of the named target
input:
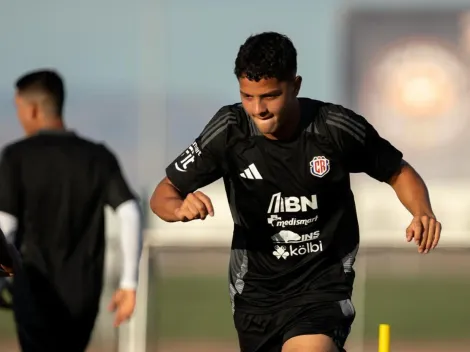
(195, 206)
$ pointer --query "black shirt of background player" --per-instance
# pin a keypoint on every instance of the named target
(57, 184)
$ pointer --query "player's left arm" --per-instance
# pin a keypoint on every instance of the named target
(364, 150)
(413, 194)
(121, 198)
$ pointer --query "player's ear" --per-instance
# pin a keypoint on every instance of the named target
(297, 84)
(34, 111)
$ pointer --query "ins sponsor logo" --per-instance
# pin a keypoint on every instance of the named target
(291, 244)
(188, 157)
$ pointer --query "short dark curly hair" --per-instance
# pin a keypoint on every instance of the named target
(266, 55)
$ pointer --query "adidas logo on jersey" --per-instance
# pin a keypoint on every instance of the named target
(251, 173)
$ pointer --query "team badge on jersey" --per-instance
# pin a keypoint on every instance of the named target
(319, 166)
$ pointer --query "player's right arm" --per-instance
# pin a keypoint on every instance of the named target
(170, 205)
(176, 197)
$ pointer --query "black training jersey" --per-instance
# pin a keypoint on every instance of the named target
(56, 184)
(295, 226)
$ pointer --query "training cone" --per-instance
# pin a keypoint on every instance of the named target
(384, 338)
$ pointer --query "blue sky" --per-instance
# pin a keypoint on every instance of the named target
(136, 71)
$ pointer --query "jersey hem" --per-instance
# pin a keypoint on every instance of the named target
(299, 301)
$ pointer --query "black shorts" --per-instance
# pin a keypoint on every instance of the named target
(268, 332)
(45, 323)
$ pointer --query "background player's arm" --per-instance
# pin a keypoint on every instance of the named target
(123, 201)
(176, 197)
(364, 150)
(120, 197)
(9, 207)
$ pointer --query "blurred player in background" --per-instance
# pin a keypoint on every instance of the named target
(286, 163)
(54, 186)
(9, 262)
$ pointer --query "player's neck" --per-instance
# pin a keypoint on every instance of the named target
(55, 124)
(289, 128)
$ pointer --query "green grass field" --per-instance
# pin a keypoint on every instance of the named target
(6, 324)
(417, 309)
(198, 308)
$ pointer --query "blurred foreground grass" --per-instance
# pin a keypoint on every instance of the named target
(198, 307)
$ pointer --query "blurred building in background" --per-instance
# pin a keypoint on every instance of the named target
(146, 76)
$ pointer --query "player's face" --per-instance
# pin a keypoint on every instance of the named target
(27, 114)
(269, 102)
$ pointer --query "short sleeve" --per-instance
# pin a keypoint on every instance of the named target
(361, 147)
(9, 187)
(117, 189)
(203, 161)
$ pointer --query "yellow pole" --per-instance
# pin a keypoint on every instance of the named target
(384, 338)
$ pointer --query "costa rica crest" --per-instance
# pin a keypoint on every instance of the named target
(319, 166)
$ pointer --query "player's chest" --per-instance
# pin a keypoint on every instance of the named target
(297, 167)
